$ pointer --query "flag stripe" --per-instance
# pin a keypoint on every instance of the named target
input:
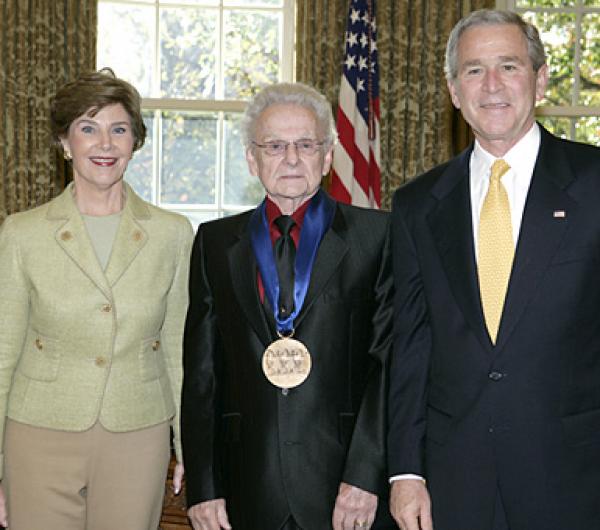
(356, 158)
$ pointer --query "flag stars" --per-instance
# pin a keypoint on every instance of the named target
(364, 40)
(362, 63)
(373, 46)
(360, 85)
(350, 61)
(365, 17)
(355, 16)
(351, 39)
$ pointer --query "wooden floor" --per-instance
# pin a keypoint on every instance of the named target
(174, 510)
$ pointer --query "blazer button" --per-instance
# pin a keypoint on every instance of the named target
(66, 235)
(100, 362)
(156, 345)
(106, 308)
(495, 376)
(38, 344)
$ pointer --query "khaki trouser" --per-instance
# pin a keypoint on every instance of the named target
(91, 480)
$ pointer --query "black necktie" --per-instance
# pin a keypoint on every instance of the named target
(285, 257)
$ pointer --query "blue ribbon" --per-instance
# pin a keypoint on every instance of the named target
(317, 221)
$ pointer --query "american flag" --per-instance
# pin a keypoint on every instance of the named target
(355, 177)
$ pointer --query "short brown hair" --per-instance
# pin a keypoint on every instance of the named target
(492, 17)
(89, 94)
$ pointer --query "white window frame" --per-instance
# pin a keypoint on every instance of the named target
(562, 111)
(219, 106)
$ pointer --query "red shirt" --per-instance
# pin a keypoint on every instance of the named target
(273, 212)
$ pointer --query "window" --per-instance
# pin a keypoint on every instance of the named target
(195, 63)
(570, 30)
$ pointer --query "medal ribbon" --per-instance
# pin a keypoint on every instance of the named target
(317, 221)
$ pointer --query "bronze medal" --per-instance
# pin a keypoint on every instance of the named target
(286, 363)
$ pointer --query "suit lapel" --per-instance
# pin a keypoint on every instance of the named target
(242, 267)
(331, 252)
(541, 232)
(452, 229)
(130, 237)
(71, 236)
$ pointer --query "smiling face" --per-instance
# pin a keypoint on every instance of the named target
(496, 88)
(101, 147)
(292, 178)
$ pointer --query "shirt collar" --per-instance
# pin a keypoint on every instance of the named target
(520, 157)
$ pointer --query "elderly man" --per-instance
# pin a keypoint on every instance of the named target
(495, 376)
(287, 341)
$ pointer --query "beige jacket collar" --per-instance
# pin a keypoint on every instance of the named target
(71, 235)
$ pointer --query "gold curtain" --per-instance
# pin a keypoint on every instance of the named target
(419, 127)
(43, 43)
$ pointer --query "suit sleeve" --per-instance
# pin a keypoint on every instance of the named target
(14, 316)
(172, 329)
(200, 404)
(366, 460)
(411, 353)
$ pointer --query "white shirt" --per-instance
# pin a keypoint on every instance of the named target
(521, 159)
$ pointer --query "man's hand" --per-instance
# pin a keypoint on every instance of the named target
(3, 517)
(354, 508)
(209, 515)
(410, 505)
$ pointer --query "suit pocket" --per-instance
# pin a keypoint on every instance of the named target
(582, 428)
(231, 424)
(572, 254)
(152, 363)
(40, 358)
(346, 427)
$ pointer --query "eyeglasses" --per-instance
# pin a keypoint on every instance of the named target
(279, 147)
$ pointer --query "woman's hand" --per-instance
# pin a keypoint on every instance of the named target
(178, 478)
(3, 517)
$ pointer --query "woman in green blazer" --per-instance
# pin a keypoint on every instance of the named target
(94, 295)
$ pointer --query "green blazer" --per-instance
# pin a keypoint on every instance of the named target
(80, 345)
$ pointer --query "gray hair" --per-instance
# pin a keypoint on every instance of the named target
(490, 17)
(289, 94)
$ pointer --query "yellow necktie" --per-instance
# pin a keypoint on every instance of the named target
(496, 249)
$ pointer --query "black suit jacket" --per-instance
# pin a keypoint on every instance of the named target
(270, 454)
(521, 417)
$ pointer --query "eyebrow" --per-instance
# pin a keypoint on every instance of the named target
(94, 122)
(500, 58)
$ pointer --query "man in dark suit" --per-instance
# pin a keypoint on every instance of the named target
(283, 414)
(495, 373)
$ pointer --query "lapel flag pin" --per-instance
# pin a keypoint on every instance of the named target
(559, 214)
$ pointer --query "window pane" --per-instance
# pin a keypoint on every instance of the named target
(241, 187)
(558, 126)
(588, 130)
(198, 217)
(254, 3)
(590, 60)
(125, 43)
(251, 54)
(192, 2)
(189, 156)
(139, 171)
(557, 32)
(188, 42)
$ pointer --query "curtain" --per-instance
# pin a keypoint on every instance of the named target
(419, 127)
(42, 45)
